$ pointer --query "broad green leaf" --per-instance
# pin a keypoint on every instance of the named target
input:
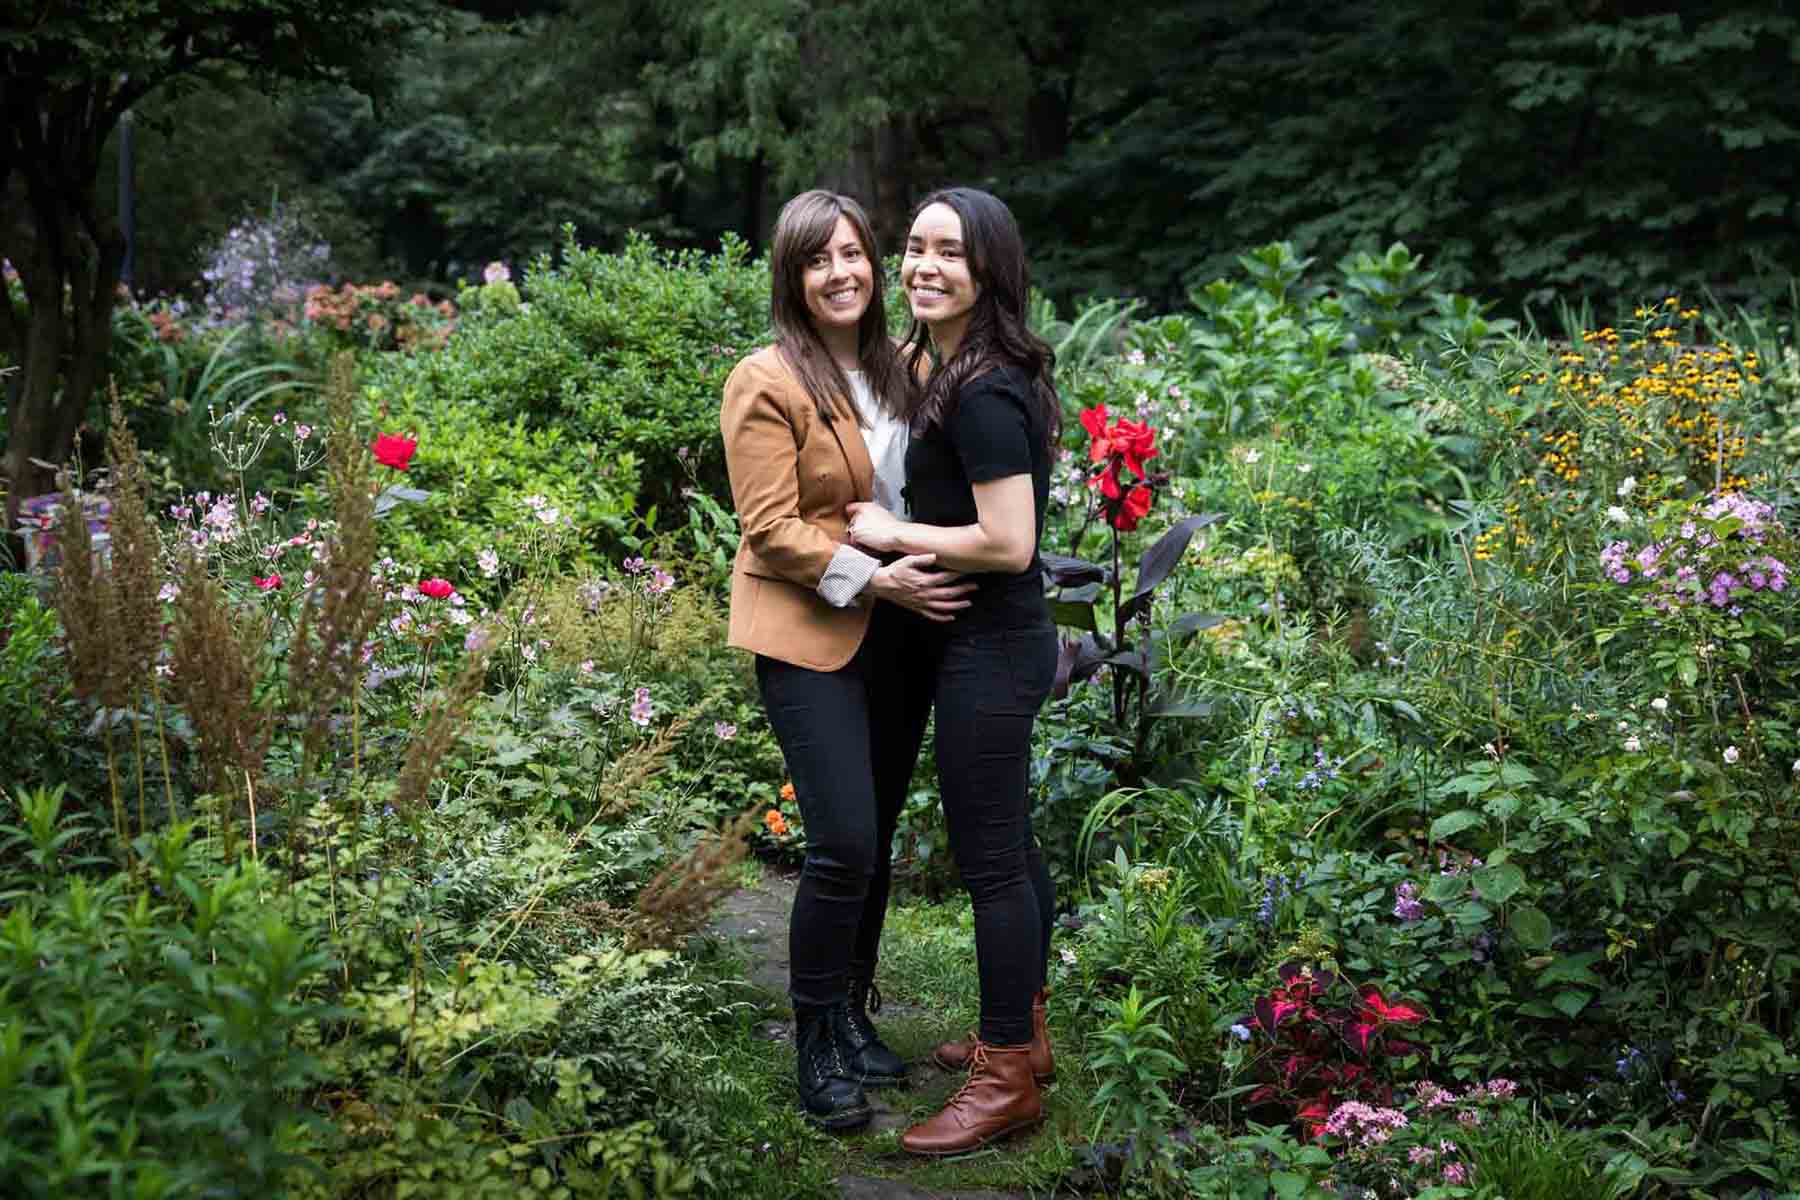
(1499, 884)
(1453, 823)
(1531, 927)
(1441, 889)
(1570, 1002)
(1688, 670)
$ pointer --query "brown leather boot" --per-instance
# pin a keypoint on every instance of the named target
(998, 1098)
(954, 1056)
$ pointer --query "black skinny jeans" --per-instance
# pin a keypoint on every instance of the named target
(850, 738)
(990, 683)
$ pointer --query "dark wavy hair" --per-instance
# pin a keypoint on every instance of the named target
(802, 230)
(997, 334)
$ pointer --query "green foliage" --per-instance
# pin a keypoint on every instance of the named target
(476, 467)
(145, 1023)
(1135, 1067)
(627, 352)
(37, 706)
(1138, 934)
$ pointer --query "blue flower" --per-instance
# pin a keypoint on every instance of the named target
(1241, 1032)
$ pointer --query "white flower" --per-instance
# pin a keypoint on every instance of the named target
(1633, 745)
(1304, 468)
(1068, 956)
(489, 562)
(1253, 456)
(1615, 513)
(1660, 704)
(1623, 726)
(167, 592)
(1797, 766)
(1627, 486)
(1731, 754)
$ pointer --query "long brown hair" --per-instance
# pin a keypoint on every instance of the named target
(997, 334)
(802, 230)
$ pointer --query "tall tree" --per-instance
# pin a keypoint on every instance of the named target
(69, 70)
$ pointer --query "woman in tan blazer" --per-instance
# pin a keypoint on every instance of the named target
(811, 425)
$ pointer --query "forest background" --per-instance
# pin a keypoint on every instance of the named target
(1424, 798)
(1527, 148)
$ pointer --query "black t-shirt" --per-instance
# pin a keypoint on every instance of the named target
(995, 430)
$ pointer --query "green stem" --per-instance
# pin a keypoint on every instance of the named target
(162, 743)
(137, 752)
(112, 779)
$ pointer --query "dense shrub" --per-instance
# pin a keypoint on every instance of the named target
(148, 1020)
(626, 352)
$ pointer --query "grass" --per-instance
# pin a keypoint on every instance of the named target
(928, 983)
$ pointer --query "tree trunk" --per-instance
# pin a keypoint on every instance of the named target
(62, 345)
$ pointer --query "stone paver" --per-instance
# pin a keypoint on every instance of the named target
(757, 919)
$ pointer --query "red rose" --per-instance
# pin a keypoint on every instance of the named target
(394, 450)
(267, 583)
(437, 589)
(1131, 509)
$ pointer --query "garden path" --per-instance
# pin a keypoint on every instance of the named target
(756, 920)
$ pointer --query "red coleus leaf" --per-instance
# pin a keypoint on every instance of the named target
(1271, 1011)
(1313, 1114)
(1399, 1012)
(1360, 1035)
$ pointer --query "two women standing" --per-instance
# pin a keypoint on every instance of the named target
(862, 621)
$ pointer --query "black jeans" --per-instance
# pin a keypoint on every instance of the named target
(850, 738)
(990, 683)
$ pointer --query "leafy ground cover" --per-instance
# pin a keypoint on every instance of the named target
(1421, 797)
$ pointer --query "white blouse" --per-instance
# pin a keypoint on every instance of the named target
(886, 437)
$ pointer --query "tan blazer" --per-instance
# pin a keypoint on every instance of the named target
(791, 476)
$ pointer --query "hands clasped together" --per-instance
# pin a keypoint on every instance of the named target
(912, 581)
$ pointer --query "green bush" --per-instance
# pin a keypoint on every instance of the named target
(145, 1023)
(627, 352)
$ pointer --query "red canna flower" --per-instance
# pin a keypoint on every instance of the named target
(1136, 442)
(394, 450)
(1094, 421)
(267, 583)
(1131, 509)
(437, 589)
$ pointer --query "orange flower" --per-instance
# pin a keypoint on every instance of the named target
(787, 792)
(776, 822)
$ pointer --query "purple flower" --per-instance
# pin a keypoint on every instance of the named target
(640, 708)
(1407, 906)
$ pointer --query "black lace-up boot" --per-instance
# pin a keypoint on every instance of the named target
(868, 1056)
(830, 1092)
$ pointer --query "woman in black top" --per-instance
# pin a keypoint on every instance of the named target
(984, 429)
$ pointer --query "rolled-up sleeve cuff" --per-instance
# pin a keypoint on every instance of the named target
(846, 576)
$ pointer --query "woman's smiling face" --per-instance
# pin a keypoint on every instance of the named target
(935, 273)
(839, 280)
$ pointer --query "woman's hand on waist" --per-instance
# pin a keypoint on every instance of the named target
(873, 527)
(914, 583)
